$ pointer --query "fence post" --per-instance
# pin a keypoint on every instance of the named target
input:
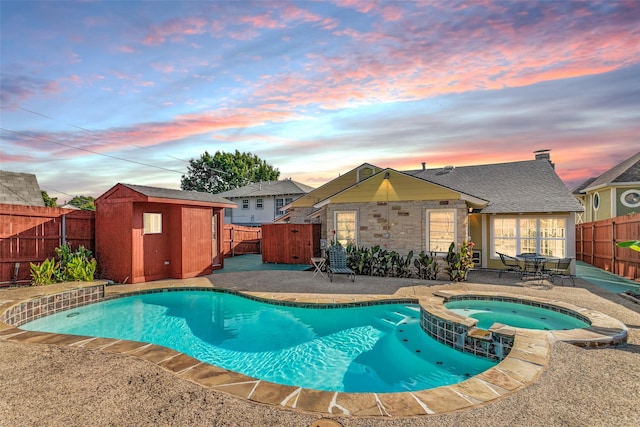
(613, 246)
(593, 243)
(63, 232)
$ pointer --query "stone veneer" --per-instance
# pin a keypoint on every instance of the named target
(406, 223)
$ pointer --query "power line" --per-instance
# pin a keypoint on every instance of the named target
(88, 130)
(90, 151)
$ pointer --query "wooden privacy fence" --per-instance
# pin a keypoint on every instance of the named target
(240, 240)
(596, 244)
(290, 243)
(31, 234)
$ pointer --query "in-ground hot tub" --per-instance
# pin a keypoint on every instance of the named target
(519, 314)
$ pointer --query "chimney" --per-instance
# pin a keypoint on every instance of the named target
(424, 165)
(544, 154)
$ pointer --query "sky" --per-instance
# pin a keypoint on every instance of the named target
(94, 93)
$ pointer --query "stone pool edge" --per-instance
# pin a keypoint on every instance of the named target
(526, 361)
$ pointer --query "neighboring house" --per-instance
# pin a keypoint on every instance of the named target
(148, 233)
(20, 189)
(261, 202)
(614, 193)
(508, 207)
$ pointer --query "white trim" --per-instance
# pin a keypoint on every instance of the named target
(355, 228)
(625, 194)
(427, 228)
(323, 203)
(569, 231)
(151, 223)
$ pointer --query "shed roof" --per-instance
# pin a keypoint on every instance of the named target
(514, 187)
(269, 188)
(17, 188)
(178, 195)
(627, 171)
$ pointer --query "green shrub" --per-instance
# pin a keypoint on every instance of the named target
(459, 263)
(43, 273)
(427, 266)
(376, 261)
(76, 265)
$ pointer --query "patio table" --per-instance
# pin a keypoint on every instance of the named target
(533, 264)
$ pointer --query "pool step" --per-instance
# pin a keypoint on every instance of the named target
(395, 318)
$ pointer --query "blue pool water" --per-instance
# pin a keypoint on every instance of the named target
(377, 348)
(513, 314)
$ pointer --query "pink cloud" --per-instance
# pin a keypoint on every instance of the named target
(362, 6)
(175, 29)
(126, 49)
(261, 21)
(392, 13)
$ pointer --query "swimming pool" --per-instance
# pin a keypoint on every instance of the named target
(516, 314)
(373, 348)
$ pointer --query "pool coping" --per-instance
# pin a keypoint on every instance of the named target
(520, 368)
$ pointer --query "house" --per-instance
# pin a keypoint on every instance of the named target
(261, 202)
(511, 207)
(18, 188)
(148, 233)
(614, 193)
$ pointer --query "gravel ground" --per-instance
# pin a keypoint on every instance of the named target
(62, 386)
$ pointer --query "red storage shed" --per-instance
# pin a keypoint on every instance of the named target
(148, 233)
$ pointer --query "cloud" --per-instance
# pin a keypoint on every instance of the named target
(15, 89)
(175, 29)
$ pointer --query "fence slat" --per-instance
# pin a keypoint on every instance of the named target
(31, 234)
(596, 245)
(241, 240)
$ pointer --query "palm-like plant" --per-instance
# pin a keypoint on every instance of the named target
(631, 244)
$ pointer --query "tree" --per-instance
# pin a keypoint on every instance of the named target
(83, 202)
(51, 202)
(226, 171)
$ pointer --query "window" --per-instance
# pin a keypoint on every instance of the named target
(245, 203)
(596, 201)
(282, 202)
(441, 230)
(259, 204)
(152, 223)
(630, 198)
(546, 236)
(345, 223)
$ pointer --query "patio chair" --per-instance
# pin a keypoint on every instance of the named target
(510, 264)
(560, 270)
(338, 263)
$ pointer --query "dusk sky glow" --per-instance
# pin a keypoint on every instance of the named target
(94, 93)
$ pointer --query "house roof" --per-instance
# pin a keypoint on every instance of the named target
(167, 193)
(268, 188)
(580, 188)
(384, 173)
(515, 187)
(18, 188)
(627, 171)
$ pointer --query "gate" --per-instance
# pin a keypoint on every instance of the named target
(290, 243)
